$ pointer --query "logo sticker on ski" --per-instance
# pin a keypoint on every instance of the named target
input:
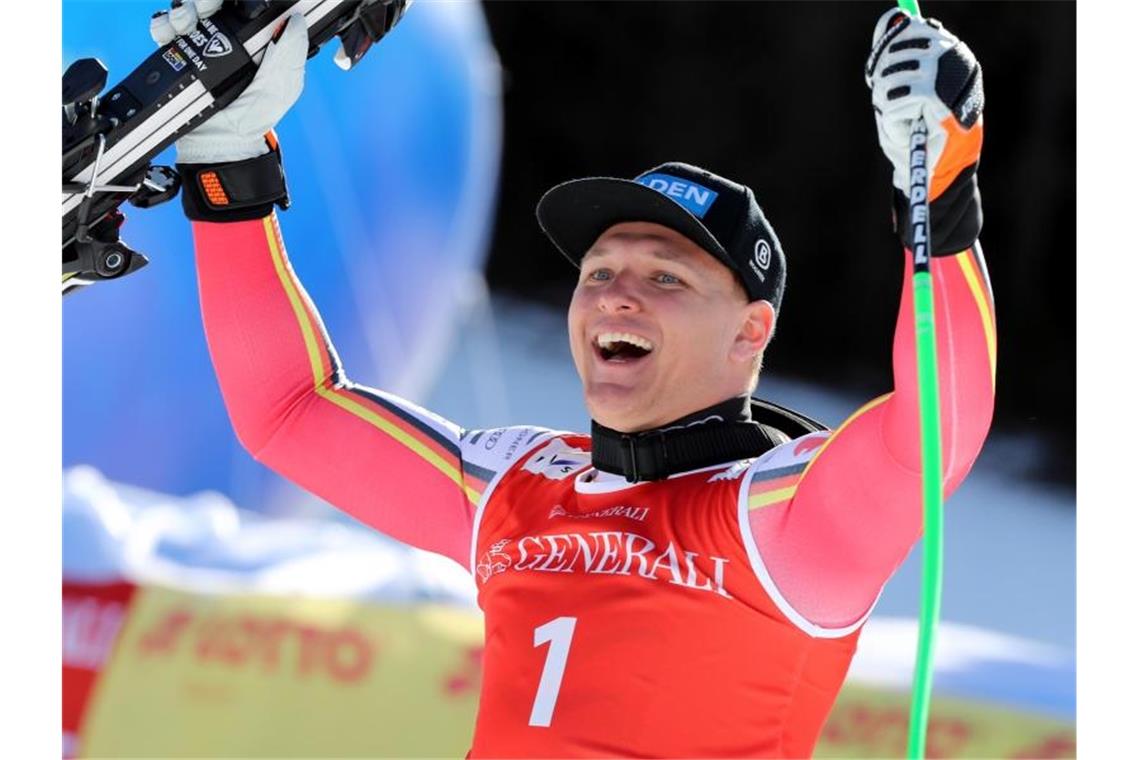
(218, 46)
(176, 61)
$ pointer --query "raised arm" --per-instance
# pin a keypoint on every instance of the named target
(381, 459)
(854, 508)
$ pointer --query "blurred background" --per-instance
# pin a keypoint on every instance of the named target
(413, 180)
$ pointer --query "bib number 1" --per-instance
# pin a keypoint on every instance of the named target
(557, 633)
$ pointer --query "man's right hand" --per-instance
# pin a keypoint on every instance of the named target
(238, 131)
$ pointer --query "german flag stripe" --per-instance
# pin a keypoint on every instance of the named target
(975, 252)
(324, 358)
(323, 364)
(764, 486)
(331, 367)
(400, 416)
(779, 472)
(474, 488)
(978, 282)
(330, 362)
(476, 478)
(831, 439)
(770, 498)
(774, 486)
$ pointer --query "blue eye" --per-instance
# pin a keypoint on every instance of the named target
(668, 279)
(599, 274)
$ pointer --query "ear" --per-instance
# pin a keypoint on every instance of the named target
(755, 331)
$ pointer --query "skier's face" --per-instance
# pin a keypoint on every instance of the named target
(660, 329)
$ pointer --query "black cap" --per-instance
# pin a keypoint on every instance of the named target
(719, 215)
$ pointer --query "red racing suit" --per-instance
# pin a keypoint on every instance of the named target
(713, 613)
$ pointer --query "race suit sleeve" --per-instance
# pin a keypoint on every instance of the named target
(383, 460)
(833, 530)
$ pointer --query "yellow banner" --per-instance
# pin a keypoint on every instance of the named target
(868, 722)
(262, 676)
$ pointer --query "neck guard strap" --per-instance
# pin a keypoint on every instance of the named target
(659, 453)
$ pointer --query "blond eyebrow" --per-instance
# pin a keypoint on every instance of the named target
(661, 253)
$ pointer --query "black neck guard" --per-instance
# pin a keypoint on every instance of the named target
(739, 428)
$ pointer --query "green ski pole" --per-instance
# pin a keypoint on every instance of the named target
(929, 431)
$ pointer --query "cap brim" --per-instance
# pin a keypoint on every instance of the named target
(574, 214)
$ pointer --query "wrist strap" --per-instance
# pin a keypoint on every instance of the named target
(234, 191)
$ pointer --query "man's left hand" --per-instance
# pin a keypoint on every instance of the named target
(918, 68)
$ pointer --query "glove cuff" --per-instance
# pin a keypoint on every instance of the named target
(234, 191)
(955, 215)
(196, 148)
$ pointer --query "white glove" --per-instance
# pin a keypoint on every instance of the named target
(918, 68)
(238, 131)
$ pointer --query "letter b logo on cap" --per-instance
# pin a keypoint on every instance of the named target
(763, 253)
(761, 259)
(697, 199)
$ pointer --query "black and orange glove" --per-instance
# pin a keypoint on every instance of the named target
(918, 68)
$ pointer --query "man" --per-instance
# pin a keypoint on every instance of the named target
(691, 578)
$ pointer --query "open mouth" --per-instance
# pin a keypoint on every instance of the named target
(622, 347)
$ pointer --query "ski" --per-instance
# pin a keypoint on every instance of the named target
(110, 138)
